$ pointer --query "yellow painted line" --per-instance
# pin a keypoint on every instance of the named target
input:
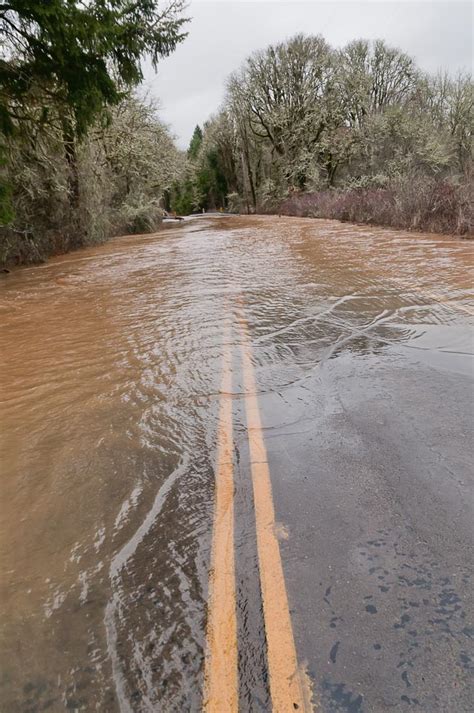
(220, 669)
(289, 687)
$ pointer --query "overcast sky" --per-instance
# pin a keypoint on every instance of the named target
(190, 84)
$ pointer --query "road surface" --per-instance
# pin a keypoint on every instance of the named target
(237, 473)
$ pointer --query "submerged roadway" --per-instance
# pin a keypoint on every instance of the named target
(236, 467)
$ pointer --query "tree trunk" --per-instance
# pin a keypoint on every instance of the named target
(71, 158)
(244, 182)
(250, 177)
(76, 232)
(332, 173)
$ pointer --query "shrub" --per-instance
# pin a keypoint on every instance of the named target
(413, 204)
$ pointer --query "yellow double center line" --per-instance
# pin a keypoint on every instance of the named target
(288, 684)
(221, 692)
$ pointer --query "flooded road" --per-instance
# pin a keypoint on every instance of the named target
(313, 381)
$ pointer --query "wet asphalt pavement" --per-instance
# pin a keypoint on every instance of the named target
(362, 348)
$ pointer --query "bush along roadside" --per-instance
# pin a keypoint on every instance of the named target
(421, 204)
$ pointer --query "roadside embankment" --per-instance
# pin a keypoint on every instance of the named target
(36, 246)
(429, 206)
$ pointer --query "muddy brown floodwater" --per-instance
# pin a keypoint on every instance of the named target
(110, 379)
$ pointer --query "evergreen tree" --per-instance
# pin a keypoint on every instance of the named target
(78, 58)
(195, 144)
(81, 54)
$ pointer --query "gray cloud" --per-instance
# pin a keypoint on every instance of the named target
(190, 84)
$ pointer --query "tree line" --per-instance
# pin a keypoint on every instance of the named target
(358, 133)
(81, 155)
(362, 130)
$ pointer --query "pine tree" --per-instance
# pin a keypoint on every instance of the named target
(195, 143)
